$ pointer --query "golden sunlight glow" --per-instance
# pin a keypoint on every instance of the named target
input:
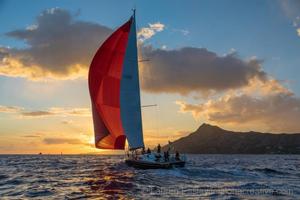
(13, 67)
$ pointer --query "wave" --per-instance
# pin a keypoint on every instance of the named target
(2, 177)
(207, 176)
(269, 171)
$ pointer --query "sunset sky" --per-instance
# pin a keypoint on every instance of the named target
(230, 63)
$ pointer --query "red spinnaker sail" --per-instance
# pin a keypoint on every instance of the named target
(104, 85)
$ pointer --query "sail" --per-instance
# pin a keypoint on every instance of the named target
(130, 94)
(113, 115)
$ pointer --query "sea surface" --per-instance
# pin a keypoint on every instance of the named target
(107, 177)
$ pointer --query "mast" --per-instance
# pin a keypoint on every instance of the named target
(133, 10)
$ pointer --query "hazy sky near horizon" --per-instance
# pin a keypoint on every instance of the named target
(230, 63)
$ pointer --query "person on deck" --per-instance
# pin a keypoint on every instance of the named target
(158, 148)
(165, 156)
(168, 155)
(177, 157)
(148, 151)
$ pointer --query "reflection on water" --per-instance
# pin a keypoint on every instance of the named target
(107, 177)
(114, 180)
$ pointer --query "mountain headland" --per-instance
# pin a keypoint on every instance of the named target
(208, 139)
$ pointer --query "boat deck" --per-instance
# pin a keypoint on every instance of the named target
(151, 162)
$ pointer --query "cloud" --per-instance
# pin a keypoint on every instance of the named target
(148, 32)
(10, 109)
(164, 47)
(83, 112)
(61, 47)
(292, 10)
(58, 111)
(54, 111)
(157, 26)
(184, 32)
(58, 47)
(69, 141)
(36, 113)
(273, 108)
(3, 53)
(67, 122)
(191, 69)
(62, 141)
(32, 136)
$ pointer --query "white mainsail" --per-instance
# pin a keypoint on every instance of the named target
(130, 93)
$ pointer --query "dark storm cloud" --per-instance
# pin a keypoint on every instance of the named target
(196, 69)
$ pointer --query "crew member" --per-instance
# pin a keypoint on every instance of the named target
(158, 148)
(165, 156)
(148, 151)
(168, 155)
(177, 157)
(143, 151)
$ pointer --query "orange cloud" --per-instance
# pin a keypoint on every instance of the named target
(58, 111)
(54, 111)
(10, 109)
(271, 108)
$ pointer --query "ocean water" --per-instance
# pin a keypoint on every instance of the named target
(107, 177)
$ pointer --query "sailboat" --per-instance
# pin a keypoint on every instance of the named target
(115, 98)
